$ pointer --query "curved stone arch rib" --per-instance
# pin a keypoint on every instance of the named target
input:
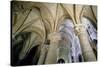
(67, 11)
(94, 11)
(78, 9)
(41, 7)
(23, 24)
(27, 29)
(81, 13)
(34, 30)
(23, 21)
(20, 23)
(40, 17)
(87, 12)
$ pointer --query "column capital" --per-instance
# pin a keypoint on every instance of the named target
(79, 28)
(54, 37)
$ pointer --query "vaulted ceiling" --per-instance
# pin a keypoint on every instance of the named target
(43, 18)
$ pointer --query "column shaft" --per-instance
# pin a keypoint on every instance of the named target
(43, 54)
(52, 52)
(87, 51)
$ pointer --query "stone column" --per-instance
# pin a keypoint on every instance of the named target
(44, 50)
(87, 51)
(52, 51)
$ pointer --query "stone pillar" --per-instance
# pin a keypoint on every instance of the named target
(87, 51)
(44, 50)
(52, 51)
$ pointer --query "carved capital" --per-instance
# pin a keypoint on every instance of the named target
(54, 37)
(79, 28)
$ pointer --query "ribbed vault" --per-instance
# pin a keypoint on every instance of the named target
(41, 19)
